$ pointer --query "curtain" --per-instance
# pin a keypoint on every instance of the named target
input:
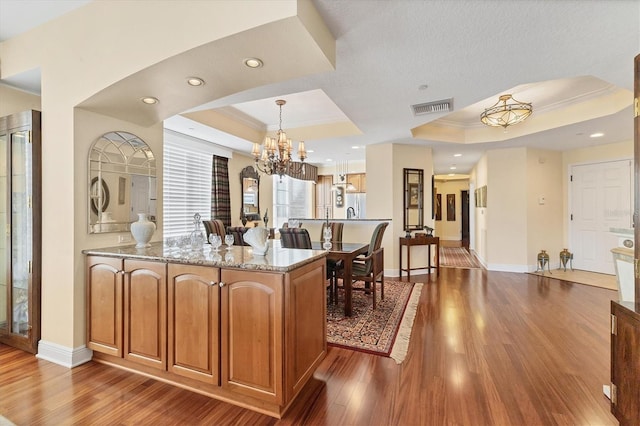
(304, 171)
(220, 197)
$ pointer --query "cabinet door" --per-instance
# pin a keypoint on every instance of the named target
(625, 365)
(194, 300)
(104, 304)
(145, 313)
(252, 334)
(363, 182)
(354, 179)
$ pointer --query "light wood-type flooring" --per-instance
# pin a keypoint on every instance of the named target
(488, 348)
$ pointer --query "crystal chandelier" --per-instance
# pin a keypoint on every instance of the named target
(504, 114)
(275, 158)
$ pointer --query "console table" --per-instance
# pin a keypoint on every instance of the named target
(420, 241)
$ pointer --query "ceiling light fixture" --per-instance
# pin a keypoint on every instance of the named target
(342, 170)
(253, 62)
(504, 113)
(149, 100)
(596, 135)
(195, 81)
(457, 155)
(275, 158)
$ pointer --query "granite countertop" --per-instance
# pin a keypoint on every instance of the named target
(277, 259)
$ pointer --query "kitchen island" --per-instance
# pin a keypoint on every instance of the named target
(246, 329)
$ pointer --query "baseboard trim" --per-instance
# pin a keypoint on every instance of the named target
(62, 355)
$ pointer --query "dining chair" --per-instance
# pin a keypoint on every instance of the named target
(370, 267)
(214, 226)
(295, 238)
(238, 233)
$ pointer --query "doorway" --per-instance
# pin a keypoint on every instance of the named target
(600, 195)
(464, 217)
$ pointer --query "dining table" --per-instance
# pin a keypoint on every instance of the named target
(346, 252)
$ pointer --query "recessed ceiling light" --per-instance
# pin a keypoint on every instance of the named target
(195, 81)
(149, 100)
(253, 62)
(457, 155)
(310, 151)
(596, 135)
(452, 168)
(355, 147)
(329, 160)
(451, 174)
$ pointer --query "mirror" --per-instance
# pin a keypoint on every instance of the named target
(250, 209)
(122, 182)
(413, 199)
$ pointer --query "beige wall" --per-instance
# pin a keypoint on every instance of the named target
(12, 101)
(478, 178)
(506, 209)
(544, 205)
(446, 229)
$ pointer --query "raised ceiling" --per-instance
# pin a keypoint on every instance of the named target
(391, 55)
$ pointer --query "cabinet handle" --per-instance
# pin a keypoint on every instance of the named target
(221, 284)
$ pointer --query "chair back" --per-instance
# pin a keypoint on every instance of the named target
(238, 235)
(336, 231)
(376, 237)
(375, 247)
(295, 238)
(214, 226)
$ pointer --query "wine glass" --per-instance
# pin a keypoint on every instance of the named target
(215, 241)
(229, 240)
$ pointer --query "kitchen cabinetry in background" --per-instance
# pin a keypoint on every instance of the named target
(359, 182)
(324, 196)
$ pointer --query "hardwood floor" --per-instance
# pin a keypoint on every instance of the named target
(487, 348)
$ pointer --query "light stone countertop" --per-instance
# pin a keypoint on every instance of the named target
(277, 259)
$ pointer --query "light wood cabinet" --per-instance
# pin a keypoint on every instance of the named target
(193, 333)
(145, 313)
(359, 182)
(324, 196)
(625, 363)
(252, 334)
(246, 336)
(104, 304)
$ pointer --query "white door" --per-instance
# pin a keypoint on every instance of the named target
(600, 200)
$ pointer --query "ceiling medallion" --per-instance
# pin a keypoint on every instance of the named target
(505, 113)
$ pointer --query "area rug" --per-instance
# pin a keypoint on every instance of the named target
(458, 257)
(384, 331)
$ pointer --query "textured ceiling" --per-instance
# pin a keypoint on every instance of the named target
(393, 54)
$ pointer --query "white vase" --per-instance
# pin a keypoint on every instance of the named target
(143, 230)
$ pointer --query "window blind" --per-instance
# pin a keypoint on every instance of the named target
(290, 199)
(186, 181)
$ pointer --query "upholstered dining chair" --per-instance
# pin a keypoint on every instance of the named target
(295, 238)
(371, 267)
(238, 233)
(214, 226)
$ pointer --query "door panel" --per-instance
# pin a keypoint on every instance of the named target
(600, 200)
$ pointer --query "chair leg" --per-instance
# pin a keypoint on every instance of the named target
(382, 287)
(373, 287)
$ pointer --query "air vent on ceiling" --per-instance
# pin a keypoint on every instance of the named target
(444, 105)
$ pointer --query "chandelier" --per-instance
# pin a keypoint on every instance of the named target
(505, 113)
(275, 158)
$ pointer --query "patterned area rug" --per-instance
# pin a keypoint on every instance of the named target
(384, 331)
(458, 257)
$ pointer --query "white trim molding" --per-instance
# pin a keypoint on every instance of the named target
(62, 355)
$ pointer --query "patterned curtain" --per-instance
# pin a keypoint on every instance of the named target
(304, 172)
(220, 197)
